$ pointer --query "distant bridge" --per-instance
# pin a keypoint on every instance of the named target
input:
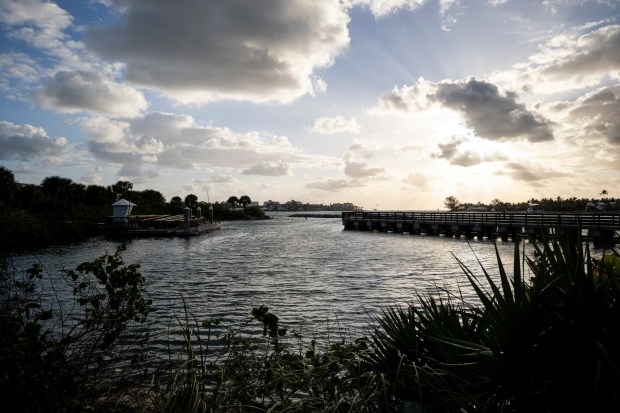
(601, 228)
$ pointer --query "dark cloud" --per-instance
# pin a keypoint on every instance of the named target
(26, 142)
(491, 114)
(240, 49)
(89, 92)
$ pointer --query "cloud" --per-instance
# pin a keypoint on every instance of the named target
(332, 185)
(26, 142)
(268, 169)
(17, 71)
(243, 50)
(38, 23)
(365, 148)
(337, 124)
(418, 180)
(573, 59)
(382, 8)
(357, 169)
(454, 152)
(222, 179)
(89, 92)
(491, 114)
(579, 61)
(529, 172)
(178, 141)
(597, 114)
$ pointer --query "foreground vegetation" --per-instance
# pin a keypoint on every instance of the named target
(544, 338)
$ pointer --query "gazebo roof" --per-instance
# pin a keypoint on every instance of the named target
(123, 202)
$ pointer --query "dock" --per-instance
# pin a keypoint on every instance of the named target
(602, 228)
(159, 226)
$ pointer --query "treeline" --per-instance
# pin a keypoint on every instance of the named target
(558, 204)
(60, 211)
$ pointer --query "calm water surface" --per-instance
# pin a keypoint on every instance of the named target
(307, 271)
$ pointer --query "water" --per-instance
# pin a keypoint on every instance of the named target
(310, 272)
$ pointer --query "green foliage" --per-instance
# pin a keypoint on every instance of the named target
(245, 200)
(57, 361)
(549, 344)
(248, 373)
(8, 186)
(20, 228)
(221, 212)
(233, 200)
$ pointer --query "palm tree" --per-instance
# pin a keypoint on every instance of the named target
(245, 200)
(190, 200)
(57, 191)
(233, 200)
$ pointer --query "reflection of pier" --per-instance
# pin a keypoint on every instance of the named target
(160, 226)
(599, 227)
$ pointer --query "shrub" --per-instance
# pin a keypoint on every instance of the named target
(78, 361)
(548, 344)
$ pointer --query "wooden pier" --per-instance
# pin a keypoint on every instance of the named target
(601, 228)
(159, 226)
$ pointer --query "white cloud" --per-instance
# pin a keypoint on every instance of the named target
(268, 169)
(573, 59)
(39, 23)
(332, 185)
(89, 92)
(27, 142)
(358, 169)
(205, 51)
(337, 124)
(365, 148)
(594, 115)
(178, 141)
(417, 179)
(17, 71)
(382, 8)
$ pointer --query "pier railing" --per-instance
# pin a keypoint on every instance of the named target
(602, 228)
(522, 219)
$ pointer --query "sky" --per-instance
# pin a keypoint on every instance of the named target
(388, 104)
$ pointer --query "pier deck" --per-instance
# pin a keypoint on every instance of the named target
(599, 227)
(160, 226)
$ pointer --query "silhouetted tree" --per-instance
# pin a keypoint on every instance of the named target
(245, 200)
(121, 189)
(176, 204)
(190, 200)
(98, 196)
(233, 200)
(8, 186)
(57, 190)
(451, 203)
